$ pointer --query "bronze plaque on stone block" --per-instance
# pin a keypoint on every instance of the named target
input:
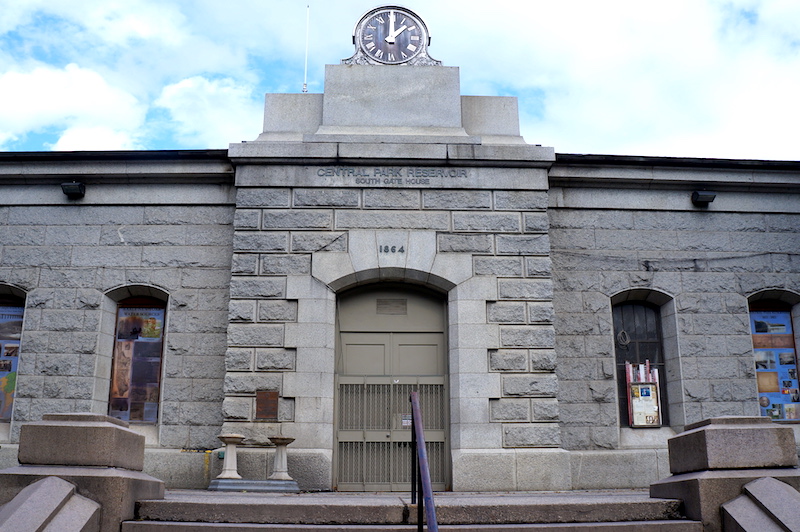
(267, 405)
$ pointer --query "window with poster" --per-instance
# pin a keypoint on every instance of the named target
(136, 366)
(776, 360)
(639, 354)
(11, 313)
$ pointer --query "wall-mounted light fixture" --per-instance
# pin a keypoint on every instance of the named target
(702, 198)
(73, 190)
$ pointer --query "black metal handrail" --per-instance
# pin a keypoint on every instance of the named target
(420, 470)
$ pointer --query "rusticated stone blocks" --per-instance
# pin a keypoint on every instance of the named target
(531, 435)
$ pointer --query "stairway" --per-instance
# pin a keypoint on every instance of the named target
(50, 505)
(204, 511)
(765, 504)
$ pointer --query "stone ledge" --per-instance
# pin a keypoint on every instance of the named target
(116, 490)
(82, 439)
(704, 492)
(732, 443)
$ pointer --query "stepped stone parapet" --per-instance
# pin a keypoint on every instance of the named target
(714, 459)
(99, 454)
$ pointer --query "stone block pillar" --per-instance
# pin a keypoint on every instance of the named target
(97, 453)
(713, 459)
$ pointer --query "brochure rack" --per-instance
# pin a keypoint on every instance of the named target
(644, 401)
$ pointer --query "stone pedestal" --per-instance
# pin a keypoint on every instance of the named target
(280, 466)
(406, 110)
(255, 486)
(97, 453)
(229, 479)
(229, 466)
(713, 459)
(278, 482)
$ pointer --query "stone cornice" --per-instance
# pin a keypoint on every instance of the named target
(151, 166)
(316, 153)
(606, 171)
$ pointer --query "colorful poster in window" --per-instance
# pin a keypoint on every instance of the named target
(644, 406)
(776, 364)
(10, 334)
(136, 370)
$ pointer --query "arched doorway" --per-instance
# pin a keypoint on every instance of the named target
(391, 339)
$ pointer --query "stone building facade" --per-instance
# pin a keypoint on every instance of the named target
(363, 247)
(154, 224)
(630, 233)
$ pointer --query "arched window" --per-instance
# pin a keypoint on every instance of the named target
(11, 312)
(136, 367)
(775, 353)
(638, 342)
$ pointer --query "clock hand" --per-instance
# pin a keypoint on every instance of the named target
(391, 36)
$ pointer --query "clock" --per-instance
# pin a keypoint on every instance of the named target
(391, 35)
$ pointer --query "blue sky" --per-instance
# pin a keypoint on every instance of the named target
(682, 78)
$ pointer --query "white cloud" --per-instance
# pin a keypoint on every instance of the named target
(211, 113)
(71, 97)
(110, 21)
(118, 22)
(12, 13)
(648, 78)
(700, 77)
(94, 138)
(6, 137)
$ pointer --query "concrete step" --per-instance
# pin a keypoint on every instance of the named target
(629, 526)
(457, 512)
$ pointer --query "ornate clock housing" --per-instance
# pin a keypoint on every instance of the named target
(391, 35)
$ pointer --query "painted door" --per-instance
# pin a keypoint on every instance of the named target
(391, 342)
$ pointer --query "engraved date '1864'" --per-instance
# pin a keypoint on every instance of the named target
(391, 249)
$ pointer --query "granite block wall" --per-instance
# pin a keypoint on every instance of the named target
(73, 262)
(250, 277)
(699, 267)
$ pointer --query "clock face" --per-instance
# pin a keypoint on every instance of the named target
(391, 35)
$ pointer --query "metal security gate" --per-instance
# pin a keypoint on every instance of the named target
(375, 433)
(376, 372)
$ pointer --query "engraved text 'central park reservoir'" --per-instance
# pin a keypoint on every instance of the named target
(392, 175)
